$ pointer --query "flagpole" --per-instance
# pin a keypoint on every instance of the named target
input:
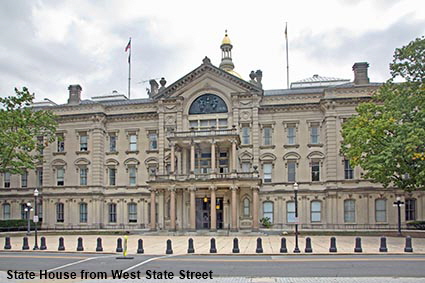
(129, 70)
(287, 56)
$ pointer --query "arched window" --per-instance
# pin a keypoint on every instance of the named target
(60, 214)
(268, 210)
(208, 103)
(316, 211)
(112, 212)
(246, 207)
(132, 212)
(6, 211)
(83, 212)
(349, 211)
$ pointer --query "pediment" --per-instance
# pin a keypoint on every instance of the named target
(208, 77)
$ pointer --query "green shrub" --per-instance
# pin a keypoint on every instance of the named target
(265, 221)
(16, 224)
(418, 224)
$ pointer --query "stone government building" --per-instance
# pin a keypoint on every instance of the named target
(210, 151)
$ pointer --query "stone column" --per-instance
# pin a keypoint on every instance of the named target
(172, 159)
(234, 153)
(192, 209)
(233, 225)
(172, 208)
(153, 210)
(213, 226)
(255, 206)
(192, 158)
(213, 161)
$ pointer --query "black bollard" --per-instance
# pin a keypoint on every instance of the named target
(43, 244)
(408, 248)
(140, 249)
(259, 249)
(283, 248)
(358, 247)
(61, 246)
(25, 245)
(99, 247)
(190, 249)
(7, 245)
(169, 249)
(308, 248)
(332, 248)
(213, 249)
(235, 246)
(80, 247)
(383, 245)
(119, 246)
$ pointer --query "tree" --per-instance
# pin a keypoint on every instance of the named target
(387, 137)
(20, 127)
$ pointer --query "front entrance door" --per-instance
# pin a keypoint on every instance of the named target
(203, 213)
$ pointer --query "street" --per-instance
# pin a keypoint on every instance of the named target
(148, 267)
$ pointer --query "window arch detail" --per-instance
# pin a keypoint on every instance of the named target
(208, 103)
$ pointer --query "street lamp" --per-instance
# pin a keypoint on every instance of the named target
(35, 218)
(27, 210)
(399, 203)
(297, 249)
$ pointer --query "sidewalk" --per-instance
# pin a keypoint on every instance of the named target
(156, 245)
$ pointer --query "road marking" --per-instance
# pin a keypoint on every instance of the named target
(294, 259)
(77, 262)
(146, 261)
(40, 256)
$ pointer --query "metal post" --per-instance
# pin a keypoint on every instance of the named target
(399, 204)
(35, 219)
(297, 249)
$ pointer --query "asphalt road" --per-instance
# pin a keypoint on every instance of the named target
(220, 266)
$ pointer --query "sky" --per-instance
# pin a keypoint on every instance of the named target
(47, 45)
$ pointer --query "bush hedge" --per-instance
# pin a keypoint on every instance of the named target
(419, 224)
(16, 225)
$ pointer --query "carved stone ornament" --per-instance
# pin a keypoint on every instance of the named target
(170, 120)
(208, 103)
(245, 115)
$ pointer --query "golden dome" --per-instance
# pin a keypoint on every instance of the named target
(236, 74)
(226, 40)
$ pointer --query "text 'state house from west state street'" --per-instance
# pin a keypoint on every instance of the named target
(210, 151)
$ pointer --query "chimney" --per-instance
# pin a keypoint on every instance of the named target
(74, 94)
(360, 73)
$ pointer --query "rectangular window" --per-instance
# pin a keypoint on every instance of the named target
(267, 136)
(348, 171)
(112, 211)
(60, 176)
(316, 211)
(132, 212)
(40, 211)
(315, 171)
(24, 179)
(24, 211)
(193, 124)
(246, 167)
(246, 139)
(6, 211)
(410, 209)
(246, 207)
(381, 210)
(291, 134)
(133, 142)
(132, 175)
(222, 123)
(290, 212)
(59, 212)
(268, 210)
(83, 176)
(112, 143)
(60, 143)
(83, 212)
(153, 141)
(39, 173)
(267, 172)
(6, 179)
(349, 211)
(291, 171)
(84, 142)
(112, 176)
(314, 133)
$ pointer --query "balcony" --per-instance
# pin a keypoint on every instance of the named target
(205, 177)
(216, 133)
